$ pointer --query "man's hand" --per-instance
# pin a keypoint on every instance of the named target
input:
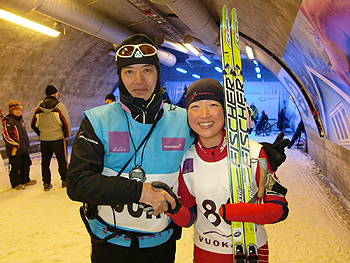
(167, 188)
(157, 198)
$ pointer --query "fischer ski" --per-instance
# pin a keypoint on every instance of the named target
(238, 155)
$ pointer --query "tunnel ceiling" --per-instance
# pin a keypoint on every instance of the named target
(268, 23)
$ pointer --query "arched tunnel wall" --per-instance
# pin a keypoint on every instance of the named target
(333, 159)
(77, 64)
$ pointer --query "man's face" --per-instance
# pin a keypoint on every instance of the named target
(140, 79)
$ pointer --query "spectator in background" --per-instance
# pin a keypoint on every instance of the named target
(281, 120)
(166, 98)
(255, 113)
(297, 133)
(17, 146)
(52, 124)
(249, 117)
(264, 116)
(181, 102)
(263, 120)
(109, 98)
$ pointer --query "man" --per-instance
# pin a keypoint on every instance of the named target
(119, 151)
(52, 124)
(109, 98)
(264, 119)
(264, 116)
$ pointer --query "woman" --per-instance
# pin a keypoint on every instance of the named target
(204, 187)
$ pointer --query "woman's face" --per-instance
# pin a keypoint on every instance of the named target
(206, 118)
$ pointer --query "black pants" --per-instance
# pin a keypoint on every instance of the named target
(297, 134)
(260, 126)
(47, 149)
(109, 253)
(19, 167)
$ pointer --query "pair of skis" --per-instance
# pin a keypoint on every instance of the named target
(238, 155)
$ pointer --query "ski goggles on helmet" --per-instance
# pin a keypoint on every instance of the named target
(142, 50)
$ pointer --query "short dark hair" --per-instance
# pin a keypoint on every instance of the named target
(50, 90)
(110, 96)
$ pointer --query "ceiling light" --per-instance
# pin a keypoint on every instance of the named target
(196, 76)
(218, 69)
(205, 60)
(181, 70)
(28, 24)
(192, 49)
(255, 62)
(257, 69)
(249, 52)
(258, 76)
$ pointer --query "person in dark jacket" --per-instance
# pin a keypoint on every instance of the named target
(281, 120)
(52, 124)
(264, 119)
(264, 116)
(111, 176)
(300, 129)
(17, 147)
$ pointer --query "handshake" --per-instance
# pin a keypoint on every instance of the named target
(150, 203)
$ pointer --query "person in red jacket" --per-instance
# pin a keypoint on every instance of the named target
(204, 182)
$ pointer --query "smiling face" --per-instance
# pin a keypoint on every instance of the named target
(206, 118)
(140, 80)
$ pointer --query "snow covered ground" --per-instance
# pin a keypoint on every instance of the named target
(38, 226)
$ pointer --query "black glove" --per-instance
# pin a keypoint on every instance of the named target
(275, 152)
(157, 184)
(165, 187)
